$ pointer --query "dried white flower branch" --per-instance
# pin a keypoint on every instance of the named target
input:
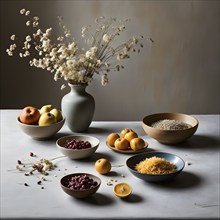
(66, 60)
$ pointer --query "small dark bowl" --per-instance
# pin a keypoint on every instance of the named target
(79, 193)
(132, 161)
(170, 136)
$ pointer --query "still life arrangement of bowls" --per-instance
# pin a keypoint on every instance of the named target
(170, 136)
(75, 146)
(127, 141)
(80, 185)
(173, 159)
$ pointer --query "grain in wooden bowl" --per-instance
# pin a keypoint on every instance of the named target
(170, 128)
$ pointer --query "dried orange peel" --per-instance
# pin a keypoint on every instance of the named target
(122, 190)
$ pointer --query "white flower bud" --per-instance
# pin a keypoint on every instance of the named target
(104, 79)
(13, 37)
(28, 23)
(38, 32)
(35, 23)
(106, 38)
(22, 11)
(63, 87)
(48, 31)
(36, 18)
(27, 13)
(28, 38)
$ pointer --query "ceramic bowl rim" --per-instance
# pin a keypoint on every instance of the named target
(156, 175)
(77, 150)
(38, 126)
(173, 113)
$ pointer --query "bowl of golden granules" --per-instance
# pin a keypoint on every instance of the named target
(155, 166)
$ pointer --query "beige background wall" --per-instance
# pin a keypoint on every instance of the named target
(178, 73)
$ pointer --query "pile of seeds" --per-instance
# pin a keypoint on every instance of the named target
(168, 124)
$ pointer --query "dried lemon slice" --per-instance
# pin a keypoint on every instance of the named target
(122, 190)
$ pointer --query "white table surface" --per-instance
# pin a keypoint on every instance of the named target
(193, 194)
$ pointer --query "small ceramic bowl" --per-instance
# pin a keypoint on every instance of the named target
(122, 190)
(77, 153)
(79, 193)
(132, 161)
(170, 136)
(41, 132)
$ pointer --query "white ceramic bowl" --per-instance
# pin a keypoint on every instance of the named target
(41, 132)
(75, 153)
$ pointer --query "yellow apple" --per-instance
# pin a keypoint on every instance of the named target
(47, 119)
(137, 144)
(130, 135)
(124, 132)
(103, 166)
(112, 138)
(46, 108)
(122, 144)
(57, 113)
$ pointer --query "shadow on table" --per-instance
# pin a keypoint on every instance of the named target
(183, 181)
(99, 130)
(54, 138)
(97, 199)
(133, 198)
(201, 142)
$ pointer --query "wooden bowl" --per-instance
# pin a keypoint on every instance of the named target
(170, 136)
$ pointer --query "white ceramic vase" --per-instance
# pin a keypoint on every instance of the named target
(78, 108)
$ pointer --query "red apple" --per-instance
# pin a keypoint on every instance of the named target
(29, 115)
